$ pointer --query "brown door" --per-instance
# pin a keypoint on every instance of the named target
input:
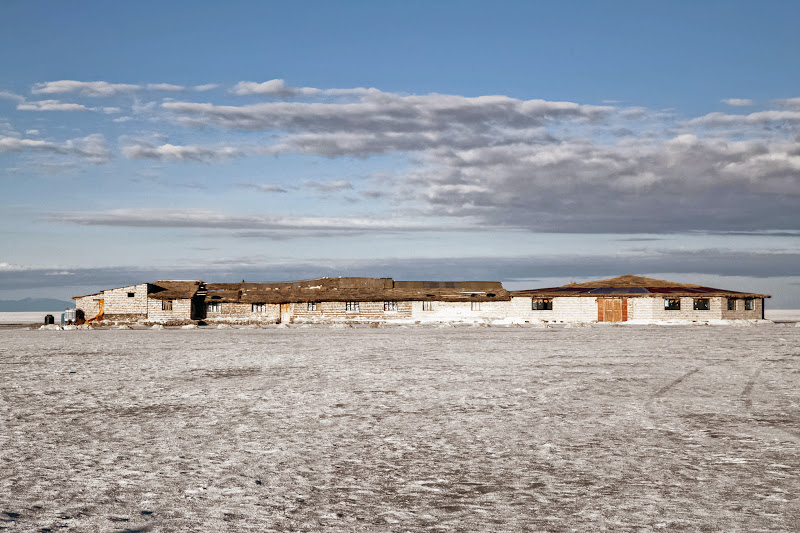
(612, 309)
(285, 312)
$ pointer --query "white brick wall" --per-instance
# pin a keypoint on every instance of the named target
(336, 311)
(90, 305)
(459, 311)
(739, 312)
(565, 309)
(652, 308)
(181, 311)
(230, 312)
(119, 304)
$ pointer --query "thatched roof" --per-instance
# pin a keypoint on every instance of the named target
(632, 286)
(354, 289)
(173, 290)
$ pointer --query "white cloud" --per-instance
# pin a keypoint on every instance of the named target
(100, 89)
(206, 87)
(111, 110)
(165, 87)
(201, 218)
(738, 102)
(265, 188)
(32, 132)
(278, 88)
(636, 185)
(759, 118)
(391, 119)
(10, 267)
(328, 187)
(86, 88)
(789, 102)
(92, 148)
(143, 150)
(7, 95)
(51, 105)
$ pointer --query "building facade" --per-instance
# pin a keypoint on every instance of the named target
(364, 300)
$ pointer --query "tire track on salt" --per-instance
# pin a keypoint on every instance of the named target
(747, 399)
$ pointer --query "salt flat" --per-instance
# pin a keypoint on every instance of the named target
(401, 429)
(28, 317)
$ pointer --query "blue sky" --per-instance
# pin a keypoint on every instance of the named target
(527, 142)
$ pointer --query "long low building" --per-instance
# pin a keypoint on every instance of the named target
(331, 300)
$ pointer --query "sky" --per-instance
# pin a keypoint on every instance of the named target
(533, 143)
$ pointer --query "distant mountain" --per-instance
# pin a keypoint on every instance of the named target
(34, 304)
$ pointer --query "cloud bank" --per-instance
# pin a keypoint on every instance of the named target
(531, 165)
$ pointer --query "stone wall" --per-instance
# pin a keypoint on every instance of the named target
(118, 305)
(181, 311)
(565, 309)
(458, 311)
(740, 313)
(336, 312)
(239, 312)
(90, 305)
(652, 308)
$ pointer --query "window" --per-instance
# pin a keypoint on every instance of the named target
(312, 306)
(749, 304)
(390, 306)
(732, 304)
(166, 305)
(427, 305)
(352, 306)
(259, 308)
(476, 306)
(131, 294)
(215, 308)
(542, 304)
(701, 304)
(672, 304)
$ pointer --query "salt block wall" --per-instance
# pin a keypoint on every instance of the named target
(739, 313)
(368, 311)
(118, 304)
(565, 309)
(181, 310)
(459, 311)
(90, 305)
(231, 310)
(653, 309)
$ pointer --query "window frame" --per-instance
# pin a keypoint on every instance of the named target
(131, 294)
(312, 306)
(427, 305)
(166, 305)
(214, 307)
(390, 306)
(698, 306)
(476, 306)
(259, 308)
(352, 306)
(672, 304)
(544, 304)
(749, 304)
(732, 305)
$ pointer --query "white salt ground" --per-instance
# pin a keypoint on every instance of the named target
(639, 428)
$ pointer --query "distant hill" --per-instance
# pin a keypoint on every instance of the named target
(34, 304)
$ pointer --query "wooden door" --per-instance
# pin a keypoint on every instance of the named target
(285, 312)
(612, 309)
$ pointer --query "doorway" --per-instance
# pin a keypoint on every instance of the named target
(612, 309)
(285, 314)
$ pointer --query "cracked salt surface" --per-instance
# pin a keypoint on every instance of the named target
(401, 429)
